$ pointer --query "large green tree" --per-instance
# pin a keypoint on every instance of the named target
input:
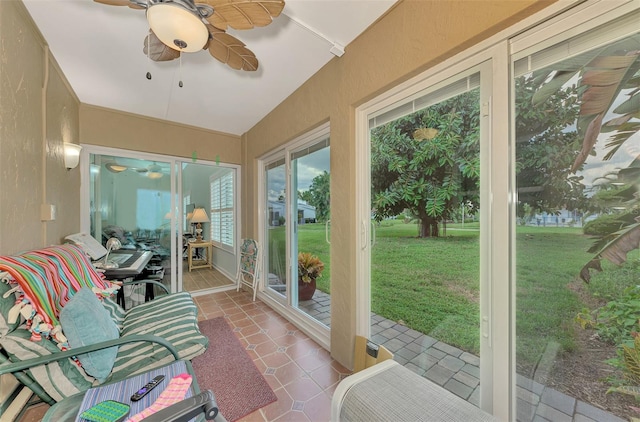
(427, 162)
(319, 196)
(546, 141)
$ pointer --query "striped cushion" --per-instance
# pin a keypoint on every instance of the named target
(172, 317)
(115, 311)
(59, 379)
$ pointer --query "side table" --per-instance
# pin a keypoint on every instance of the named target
(206, 262)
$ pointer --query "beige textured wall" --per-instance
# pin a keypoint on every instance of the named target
(413, 36)
(106, 127)
(32, 91)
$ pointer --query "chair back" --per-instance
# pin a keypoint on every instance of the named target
(249, 265)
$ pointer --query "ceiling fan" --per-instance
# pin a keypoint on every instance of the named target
(187, 26)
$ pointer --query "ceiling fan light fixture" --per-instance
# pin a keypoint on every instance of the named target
(155, 171)
(114, 167)
(177, 27)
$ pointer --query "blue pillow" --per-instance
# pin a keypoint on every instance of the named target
(84, 322)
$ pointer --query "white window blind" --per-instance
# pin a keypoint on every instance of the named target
(578, 49)
(222, 209)
(423, 100)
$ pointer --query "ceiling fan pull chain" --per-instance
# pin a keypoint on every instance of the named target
(148, 48)
(180, 72)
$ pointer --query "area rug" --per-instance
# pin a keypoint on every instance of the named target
(226, 369)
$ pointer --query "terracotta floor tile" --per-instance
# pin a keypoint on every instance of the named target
(311, 362)
(301, 348)
(302, 389)
(276, 360)
(272, 381)
(288, 373)
(266, 348)
(293, 416)
(318, 408)
(256, 416)
(278, 331)
(261, 318)
(286, 340)
(258, 338)
(325, 377)
(249, 330)
(279, 407)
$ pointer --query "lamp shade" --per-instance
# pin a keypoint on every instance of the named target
(71, 155)
(177, 27)
(199, 216)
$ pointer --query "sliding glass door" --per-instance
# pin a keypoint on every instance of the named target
(577, 146)
(295, 236)
(424, 240)
(168, 207)
(130, 200)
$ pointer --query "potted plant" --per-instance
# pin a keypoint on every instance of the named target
(309, 269)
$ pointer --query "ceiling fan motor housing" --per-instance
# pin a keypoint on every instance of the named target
(178, 24)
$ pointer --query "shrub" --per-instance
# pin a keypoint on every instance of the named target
(605, 224)
(619, 318)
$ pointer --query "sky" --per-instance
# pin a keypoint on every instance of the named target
(309, 167)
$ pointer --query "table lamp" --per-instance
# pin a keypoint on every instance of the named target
(112, 245)
(199, 217)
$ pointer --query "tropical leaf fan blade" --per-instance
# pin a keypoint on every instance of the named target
(120, 3)
(157, 50)
(114, 2)
(231, 51)
(243, 14)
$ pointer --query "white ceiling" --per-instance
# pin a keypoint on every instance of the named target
(99, 49)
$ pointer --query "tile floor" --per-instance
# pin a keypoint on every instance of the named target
(202, 278)
(301, 373)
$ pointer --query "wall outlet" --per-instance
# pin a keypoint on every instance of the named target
(47, 212)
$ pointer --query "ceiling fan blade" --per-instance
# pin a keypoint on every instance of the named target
(243, 14)
(158, 51)
(231, 51)
(120, 3)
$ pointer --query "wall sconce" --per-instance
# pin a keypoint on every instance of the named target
(71, 155)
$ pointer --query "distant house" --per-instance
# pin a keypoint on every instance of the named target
(560, 218)
(306, 213)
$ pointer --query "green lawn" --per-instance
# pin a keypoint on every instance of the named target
(431, 285)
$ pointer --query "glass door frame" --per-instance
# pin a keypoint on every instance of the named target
(287, 305)
(176, 193)
(494, 267)
(498, 377)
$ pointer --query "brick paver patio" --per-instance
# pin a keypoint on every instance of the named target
(459, 371)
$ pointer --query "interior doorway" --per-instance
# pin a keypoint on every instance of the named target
(169, 207)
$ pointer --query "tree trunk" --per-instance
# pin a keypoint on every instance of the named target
(428, 227)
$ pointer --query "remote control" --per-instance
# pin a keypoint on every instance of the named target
(148, 387)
